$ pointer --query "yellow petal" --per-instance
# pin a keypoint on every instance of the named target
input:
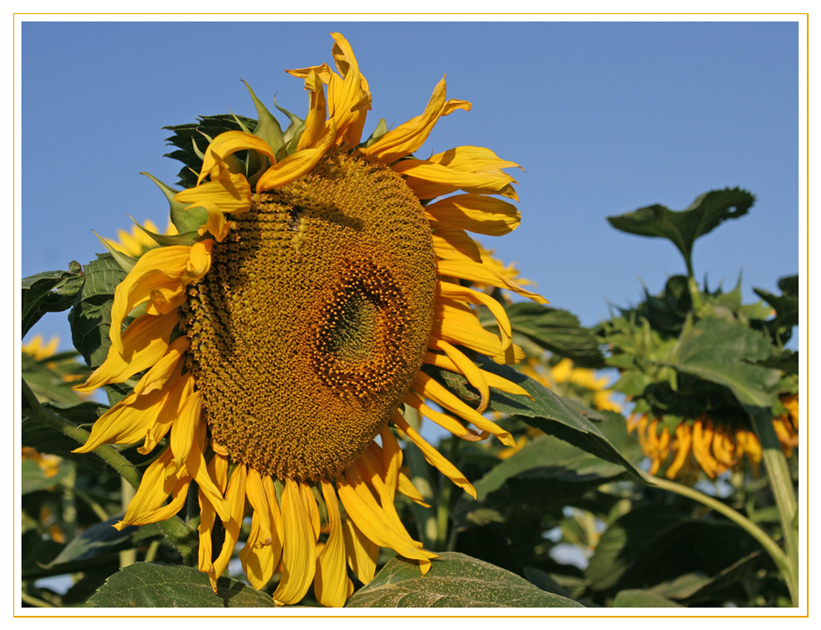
(257, 556)
(371, 520)
(408, 137)
(165, 269)
(235, 498)
(435, 391)
(126, 422)
(228, 143)
(468, 270)
(317, 114)
(455, 361)
(471, 159)
(476, 213)
(218, 472)
(145, 342)
(360, 552)
(349, 96)
(155, 486)
(298, 164)
(434, 458)
(427, 172)
(466, 294)
(443, 420)
(299, 553)
(331, 581)
(451, 242)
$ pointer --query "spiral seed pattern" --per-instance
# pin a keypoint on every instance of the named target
(314, 318)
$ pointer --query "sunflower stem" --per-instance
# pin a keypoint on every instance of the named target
(778, 473)
(770, 546)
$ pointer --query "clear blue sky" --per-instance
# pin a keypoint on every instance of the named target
(604, 117)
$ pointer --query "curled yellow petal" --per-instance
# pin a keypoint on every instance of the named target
(298, 164)
(228, 143)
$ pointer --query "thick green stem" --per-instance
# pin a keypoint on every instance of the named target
(770, 546)
(778, 473)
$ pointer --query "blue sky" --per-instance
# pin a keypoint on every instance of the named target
(604, 118)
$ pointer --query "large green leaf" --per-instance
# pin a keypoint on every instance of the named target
(151, 585)
(557, 331)
(724, 352)
(90, 318)
(48, 292)
(657, 543)
(683, 227)
(550, 413)
(454, 580)
(549, 458)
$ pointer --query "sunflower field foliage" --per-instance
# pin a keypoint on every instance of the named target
(175, 460)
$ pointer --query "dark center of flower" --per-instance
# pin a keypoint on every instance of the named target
(314, 318)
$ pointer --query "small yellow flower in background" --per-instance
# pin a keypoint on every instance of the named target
(40, 350)
(137, 242)
(281, 345)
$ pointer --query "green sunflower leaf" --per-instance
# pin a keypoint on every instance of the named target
(547, 459)
(454, 581)
(90, 318)
(656, 543)
(682, 228)
(725, 352)
(558, 331)
(151, 585)
(552, 414)
(49, 292)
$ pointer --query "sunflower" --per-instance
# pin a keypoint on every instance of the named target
(708, 444)
(281, 345)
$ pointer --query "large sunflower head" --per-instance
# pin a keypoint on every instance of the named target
(281, 334)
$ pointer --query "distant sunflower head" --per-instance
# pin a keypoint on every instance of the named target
(709, 443)
(280, 338)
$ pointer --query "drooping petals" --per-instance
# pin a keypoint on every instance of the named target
(235, 498)
(360, 552)
(456, 361)
(257, 556)
(331, 583)
(299, 553)
(145, 342)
